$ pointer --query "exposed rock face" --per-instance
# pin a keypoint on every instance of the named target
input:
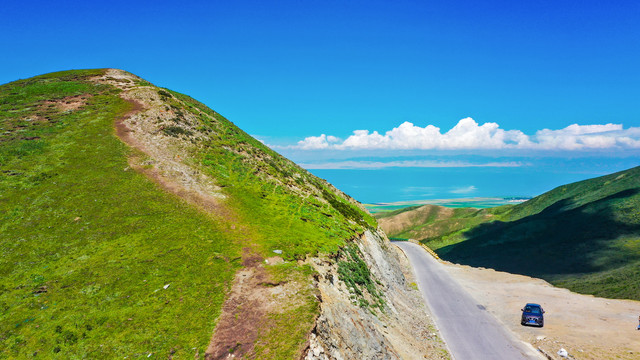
(345, 330)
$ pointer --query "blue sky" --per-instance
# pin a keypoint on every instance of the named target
(509, 82)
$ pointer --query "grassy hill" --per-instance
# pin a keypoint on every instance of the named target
(583, 236)
(99, 261)
(435, 225)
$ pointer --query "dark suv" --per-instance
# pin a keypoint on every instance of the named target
(532, 314)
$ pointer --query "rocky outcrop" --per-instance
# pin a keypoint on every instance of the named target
(345, 329)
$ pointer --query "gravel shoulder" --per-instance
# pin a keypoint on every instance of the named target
(586, 326)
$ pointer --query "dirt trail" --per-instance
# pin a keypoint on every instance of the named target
(587, 327)
(208, 203)
(253, 298)
(244, 313)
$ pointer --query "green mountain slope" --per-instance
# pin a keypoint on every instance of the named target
(99, 261)
(584, 236)
(435, 225)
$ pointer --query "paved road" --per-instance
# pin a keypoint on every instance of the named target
(468, 329)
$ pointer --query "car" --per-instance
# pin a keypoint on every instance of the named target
(532, 314)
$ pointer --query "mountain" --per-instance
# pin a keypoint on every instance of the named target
(583, 236)
(137, 222)
(432, 223)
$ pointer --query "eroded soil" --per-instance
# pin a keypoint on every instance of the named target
(243, 313)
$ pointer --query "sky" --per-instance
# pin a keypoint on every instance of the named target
(400, 85)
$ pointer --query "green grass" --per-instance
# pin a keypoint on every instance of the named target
(88, 244)
(618, 282)
(437, 226)
(295, 211)
(584, 236)
(286, 333)
(583, 193)
(354, 272)
(285, 208)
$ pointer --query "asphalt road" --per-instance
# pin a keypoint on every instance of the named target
(469, 331)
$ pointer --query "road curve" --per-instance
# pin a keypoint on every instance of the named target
(468, 329)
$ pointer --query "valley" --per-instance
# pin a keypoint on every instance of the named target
(584, 236)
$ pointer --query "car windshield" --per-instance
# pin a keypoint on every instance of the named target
(533, 309)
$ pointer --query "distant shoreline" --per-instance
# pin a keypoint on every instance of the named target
(478, 202)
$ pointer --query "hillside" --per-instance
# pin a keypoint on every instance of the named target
(432, 223)
(138, 222)
(584, 236)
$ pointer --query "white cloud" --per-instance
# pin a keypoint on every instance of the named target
(629, 142)
(314, 142)
(318, 142)
(468, 134)
(576, 129)
(406, 163)
(579, 137)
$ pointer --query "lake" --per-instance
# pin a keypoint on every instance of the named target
(390, 185)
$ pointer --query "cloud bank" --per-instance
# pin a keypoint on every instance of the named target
(468, 134)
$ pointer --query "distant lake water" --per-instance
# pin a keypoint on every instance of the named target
(411, 184)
